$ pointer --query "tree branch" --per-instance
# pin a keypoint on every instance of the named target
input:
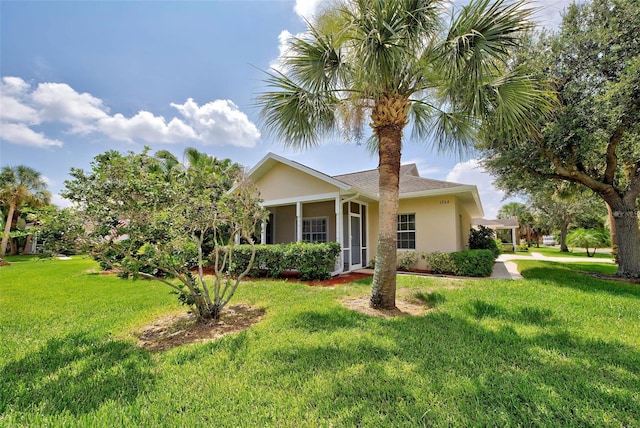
(612, 157)
(164, 281)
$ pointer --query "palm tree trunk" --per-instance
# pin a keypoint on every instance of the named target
(7, 229)
(383, 290)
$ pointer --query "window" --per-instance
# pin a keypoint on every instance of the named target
(314, 229)
(406, 231)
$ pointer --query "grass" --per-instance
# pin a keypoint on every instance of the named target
(557, 348)
(573, 252)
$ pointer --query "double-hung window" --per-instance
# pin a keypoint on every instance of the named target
(314, 229)
(406, 231)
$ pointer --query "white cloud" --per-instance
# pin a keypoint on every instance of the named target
(61, 202)
(11, 108)
(306, 9)
(59, 102)
(283, 40)
(19, 133)
(218, 122)
(144, 126)
(471, 172)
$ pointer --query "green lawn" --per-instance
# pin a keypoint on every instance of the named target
(557, 348)
(573, 252)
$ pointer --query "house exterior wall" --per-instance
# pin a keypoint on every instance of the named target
(284, 182)
(285, 219)
(322, 209)
(285, 223)
(437, 225)
(464, 226)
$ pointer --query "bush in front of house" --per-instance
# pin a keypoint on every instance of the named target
(312, 261)
(407, 260)
(474, 262)
(461, 263)
(440, 262)
(483, 238)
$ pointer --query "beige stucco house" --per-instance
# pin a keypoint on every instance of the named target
(308, 205)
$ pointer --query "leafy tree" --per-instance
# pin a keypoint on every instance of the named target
(151, 219)
(60, 230)
(558, 206)
(394, 62)
(20, 185)
(589, 238)
(592, 137)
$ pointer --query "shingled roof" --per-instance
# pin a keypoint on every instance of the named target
(410, 181)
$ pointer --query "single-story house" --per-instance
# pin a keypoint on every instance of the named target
(308, 205)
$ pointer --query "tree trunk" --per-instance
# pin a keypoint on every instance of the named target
(564, 227)
(612, 234)
(625, 219)
(383, 290)
(27, 244)
(7, 229)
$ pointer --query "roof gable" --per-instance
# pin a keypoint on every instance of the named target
(271, 159)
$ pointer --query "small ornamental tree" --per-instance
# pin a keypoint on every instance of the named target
(589, 238)
(152, 217)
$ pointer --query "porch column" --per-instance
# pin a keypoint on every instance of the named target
(339, 227)
(298, 221)
(513, 238)
(263, 232)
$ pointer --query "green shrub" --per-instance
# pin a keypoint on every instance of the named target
(312, 261)
(506, 248)
(439, 262)
(462, 263)
(407, 260)
(522, 247)
(483, 238)
(473, 262)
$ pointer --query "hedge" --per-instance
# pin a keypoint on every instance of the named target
(462, 263)
(312, 261)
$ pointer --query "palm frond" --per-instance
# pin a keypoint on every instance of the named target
(480, 40)
(446, 130)
(297, 116)
(315, 61)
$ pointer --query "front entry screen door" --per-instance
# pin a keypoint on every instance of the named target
(356, 243)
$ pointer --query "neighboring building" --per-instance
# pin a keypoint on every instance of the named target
(307, 205)
(509, 225)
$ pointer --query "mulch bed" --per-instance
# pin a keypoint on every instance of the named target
(613, 277)
(293, 277)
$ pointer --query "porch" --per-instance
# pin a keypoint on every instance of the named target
(322, 218)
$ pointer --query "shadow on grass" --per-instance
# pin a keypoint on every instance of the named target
(76, 373)
(571, 275)
(522, 315)
(494, 376)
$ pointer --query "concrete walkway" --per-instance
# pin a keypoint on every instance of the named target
(506, 269)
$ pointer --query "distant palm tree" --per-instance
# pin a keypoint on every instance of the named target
(390, 62)
(20, 185)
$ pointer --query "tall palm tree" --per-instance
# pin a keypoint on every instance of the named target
(393, 61)
(20, 185)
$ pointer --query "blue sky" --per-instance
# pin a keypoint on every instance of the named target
(80, 78)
